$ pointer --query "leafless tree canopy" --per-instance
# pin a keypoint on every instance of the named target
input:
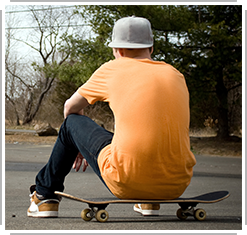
(28, 80)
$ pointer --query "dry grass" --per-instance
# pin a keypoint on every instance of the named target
(214, 147)
(14, 137)
(205, 142)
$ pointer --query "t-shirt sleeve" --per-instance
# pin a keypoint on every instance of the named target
(95, 89)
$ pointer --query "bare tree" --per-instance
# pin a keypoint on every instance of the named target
(30, 83)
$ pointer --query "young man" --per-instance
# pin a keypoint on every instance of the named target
(148, 156)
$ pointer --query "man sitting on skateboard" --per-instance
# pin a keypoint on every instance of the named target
(148, 156)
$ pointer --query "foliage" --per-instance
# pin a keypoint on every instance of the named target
(86, 57)
(215, 43)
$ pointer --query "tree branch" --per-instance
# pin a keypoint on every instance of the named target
(16, 76)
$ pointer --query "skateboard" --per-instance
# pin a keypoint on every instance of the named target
(187, 205)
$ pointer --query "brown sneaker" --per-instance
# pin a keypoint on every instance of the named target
(147, 209)
(42, 208)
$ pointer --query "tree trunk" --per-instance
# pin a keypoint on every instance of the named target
(222, 95)
(16, 112)
(17, 119)
(30, 115)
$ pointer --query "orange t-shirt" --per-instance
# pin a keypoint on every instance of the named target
(149, 157)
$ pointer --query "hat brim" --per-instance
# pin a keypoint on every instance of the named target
(130, 45)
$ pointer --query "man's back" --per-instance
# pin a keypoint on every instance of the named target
(150, 153)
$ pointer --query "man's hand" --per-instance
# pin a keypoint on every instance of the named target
(78, 162)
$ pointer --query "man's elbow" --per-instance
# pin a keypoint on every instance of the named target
(66, 109)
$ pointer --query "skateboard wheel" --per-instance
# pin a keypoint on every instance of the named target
(181, 215)
(85, 215)
(200, 214)
(102, 216)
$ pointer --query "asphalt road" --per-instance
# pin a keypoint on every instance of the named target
(23, 161)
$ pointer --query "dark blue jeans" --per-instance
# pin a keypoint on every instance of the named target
(77, 134)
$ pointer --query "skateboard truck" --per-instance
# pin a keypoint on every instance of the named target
(95, 211)
(188, 209)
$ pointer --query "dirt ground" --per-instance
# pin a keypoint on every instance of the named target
(199, 145)
(214, 147)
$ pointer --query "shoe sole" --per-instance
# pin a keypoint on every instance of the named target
(43, 214)
(146, 212)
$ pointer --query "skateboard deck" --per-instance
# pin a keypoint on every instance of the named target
(187, 205)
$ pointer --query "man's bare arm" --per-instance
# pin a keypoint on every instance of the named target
(75, 105)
